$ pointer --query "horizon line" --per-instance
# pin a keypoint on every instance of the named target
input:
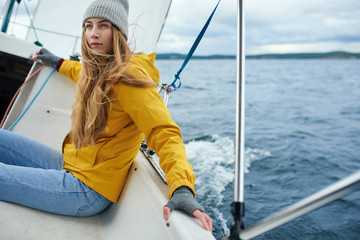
(257, 54)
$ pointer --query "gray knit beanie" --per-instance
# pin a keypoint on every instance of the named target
(115, 11)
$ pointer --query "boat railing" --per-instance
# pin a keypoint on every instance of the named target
(313, 202)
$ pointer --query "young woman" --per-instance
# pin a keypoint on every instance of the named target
(116, 105)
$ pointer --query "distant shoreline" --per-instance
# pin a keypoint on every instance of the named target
(328, 55)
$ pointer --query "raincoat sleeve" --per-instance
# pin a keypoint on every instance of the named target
(71, 69)
(148, 111)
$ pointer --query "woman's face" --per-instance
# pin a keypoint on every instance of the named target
(99, 34)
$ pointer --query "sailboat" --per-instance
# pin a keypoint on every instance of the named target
(42, 111)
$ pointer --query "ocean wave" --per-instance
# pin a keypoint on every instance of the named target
(212, 159)
(212, 163)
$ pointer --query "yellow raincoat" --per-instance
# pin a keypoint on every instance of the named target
(135, 113)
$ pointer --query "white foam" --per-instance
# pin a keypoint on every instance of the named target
(213, 163)
(254, 154)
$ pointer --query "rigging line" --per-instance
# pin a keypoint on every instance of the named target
(45, 30)
(177, 82)
(3, 10)
(32, 25)
(32, 100)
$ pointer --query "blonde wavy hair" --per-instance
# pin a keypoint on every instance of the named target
(94, 94)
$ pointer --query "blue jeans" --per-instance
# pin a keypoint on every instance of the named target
(31, 174)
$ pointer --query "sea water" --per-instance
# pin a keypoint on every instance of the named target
(302, 133)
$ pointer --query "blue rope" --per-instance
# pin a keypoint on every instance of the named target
(31, 102)
(177, 82)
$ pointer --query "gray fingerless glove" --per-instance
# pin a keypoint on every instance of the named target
(183, 199)
(49, 58)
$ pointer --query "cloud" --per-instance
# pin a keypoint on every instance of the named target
(305, 47)
(271, 26)
(304, 25)
(186, 19)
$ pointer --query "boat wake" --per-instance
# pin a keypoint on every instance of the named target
(212, 159)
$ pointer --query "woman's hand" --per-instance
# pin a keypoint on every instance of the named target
(36, 55)
(46, 56)
(183, 199)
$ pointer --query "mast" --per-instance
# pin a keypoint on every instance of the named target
(240, 112)
(237, 207)
(9, 8)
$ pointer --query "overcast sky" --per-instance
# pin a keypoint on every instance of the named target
(272, 26)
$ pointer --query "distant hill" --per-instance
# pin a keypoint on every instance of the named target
(328, 55)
